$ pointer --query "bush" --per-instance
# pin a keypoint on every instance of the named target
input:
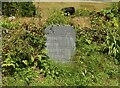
(9, 8)
(27, 9)
(18, 8)
(119, 6)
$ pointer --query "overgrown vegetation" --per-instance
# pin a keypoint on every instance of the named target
(25, 60)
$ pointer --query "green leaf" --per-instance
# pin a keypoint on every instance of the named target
(25, 62)
(44, 51)
(39, 57)
(35, 64)
(7, 65)
(88, 41)
(27, 80)
(32, 58)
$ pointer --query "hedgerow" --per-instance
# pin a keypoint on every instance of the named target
(27, 9)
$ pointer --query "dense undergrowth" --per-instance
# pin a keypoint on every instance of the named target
(25, 60)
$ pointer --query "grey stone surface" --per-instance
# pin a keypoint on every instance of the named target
(60, 42)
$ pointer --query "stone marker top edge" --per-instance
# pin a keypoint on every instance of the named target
(54, 27)
(58, 25)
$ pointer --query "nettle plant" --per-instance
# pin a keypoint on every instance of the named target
(105, 15)
(108, 21)
(24, 52)
(24, 48)
(113, 39)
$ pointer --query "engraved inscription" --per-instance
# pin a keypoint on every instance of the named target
(60, 42)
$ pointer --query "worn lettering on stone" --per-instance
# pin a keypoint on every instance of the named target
(60, 42)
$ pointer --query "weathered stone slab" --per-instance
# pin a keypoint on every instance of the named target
(60, 42)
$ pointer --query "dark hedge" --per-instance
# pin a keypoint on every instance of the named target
(18, 9)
